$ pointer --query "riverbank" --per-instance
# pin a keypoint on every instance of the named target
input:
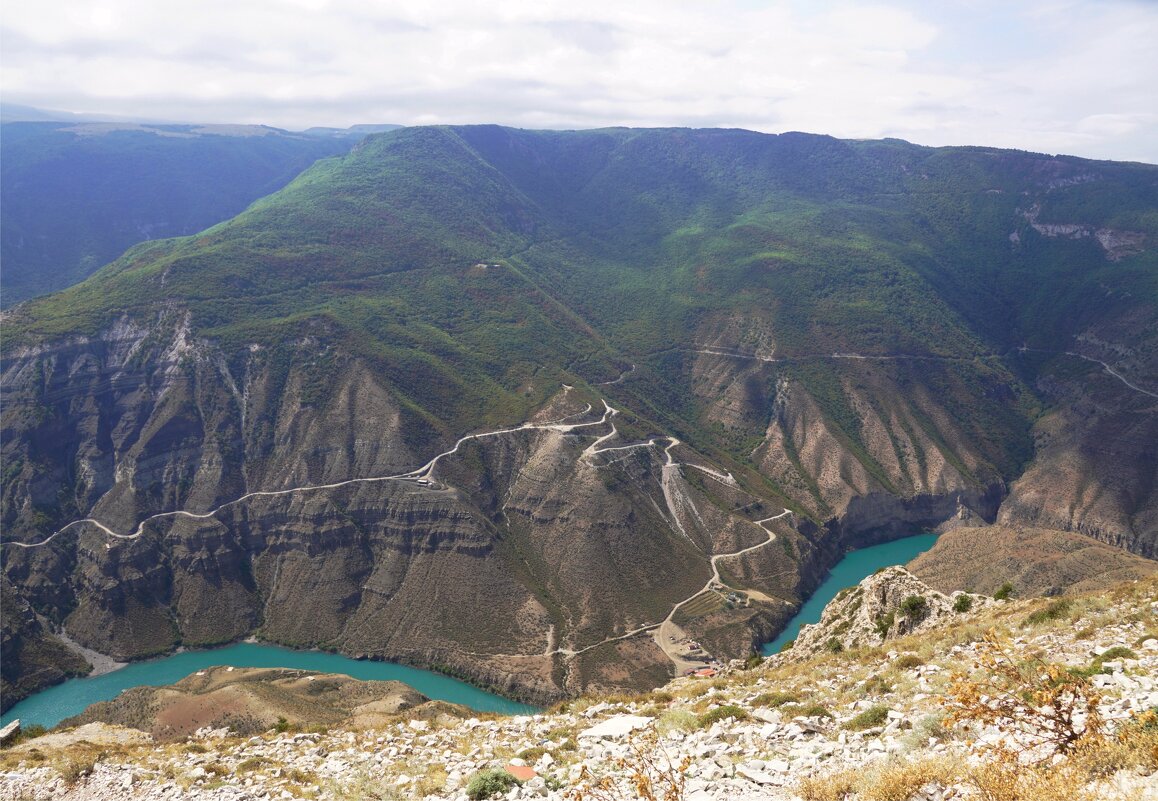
(53, 705)
(867, 723)
(101, 663)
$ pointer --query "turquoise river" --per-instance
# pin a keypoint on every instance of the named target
(53, 705)
(72, 697)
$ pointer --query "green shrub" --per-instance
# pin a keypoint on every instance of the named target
(774, 699)
(906, 661)
(1003, 592)
(722, 713)
(1098, 665)
(676, 720)
(787, 646)
(915, 607)
(1117, 652)
(810, 711)
(962, 604)
(1055, 610)
(834, 645)
(754, 660)
(883, 623)
(875, 715)
(490, 782)
(251, 764)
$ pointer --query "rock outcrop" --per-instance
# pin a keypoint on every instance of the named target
(889, 604)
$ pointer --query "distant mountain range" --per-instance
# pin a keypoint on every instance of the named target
(500, 402)
(77, 190)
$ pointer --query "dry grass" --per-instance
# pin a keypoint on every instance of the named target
(76, 765)
(895, 780)
(1133, 747)
(901, 779)
(1004, 780)
(677, 720)
(830, 787)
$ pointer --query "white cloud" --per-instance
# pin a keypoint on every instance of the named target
(1048, 75)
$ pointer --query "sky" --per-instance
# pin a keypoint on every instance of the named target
(1057, 76)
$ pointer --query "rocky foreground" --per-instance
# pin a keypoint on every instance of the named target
(938, 713)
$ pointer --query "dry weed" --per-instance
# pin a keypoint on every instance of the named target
(645, 774)
(830, 787)
(1002, 777)
(1044, 705)
(900, 780)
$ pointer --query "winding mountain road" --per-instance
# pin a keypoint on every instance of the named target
(412, 475)
(675, 501)
(712, 350)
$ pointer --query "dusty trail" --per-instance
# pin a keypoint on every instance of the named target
(618, 380)
(667, 634)
(1105, 367)
(714, 351)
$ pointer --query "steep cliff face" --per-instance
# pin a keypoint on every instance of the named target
(871, 444)
(512, 557)
(33, 657)
(1096, 464)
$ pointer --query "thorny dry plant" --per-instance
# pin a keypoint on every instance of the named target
(1045, 709)
(645, 773)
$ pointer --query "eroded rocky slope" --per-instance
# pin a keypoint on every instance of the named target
(1032, 561)
(505, 403)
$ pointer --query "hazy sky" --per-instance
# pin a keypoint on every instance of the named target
(1068, 76)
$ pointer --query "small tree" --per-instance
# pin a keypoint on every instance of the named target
(1044, 706)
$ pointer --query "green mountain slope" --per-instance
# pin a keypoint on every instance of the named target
(669, 346)
(73, 196)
